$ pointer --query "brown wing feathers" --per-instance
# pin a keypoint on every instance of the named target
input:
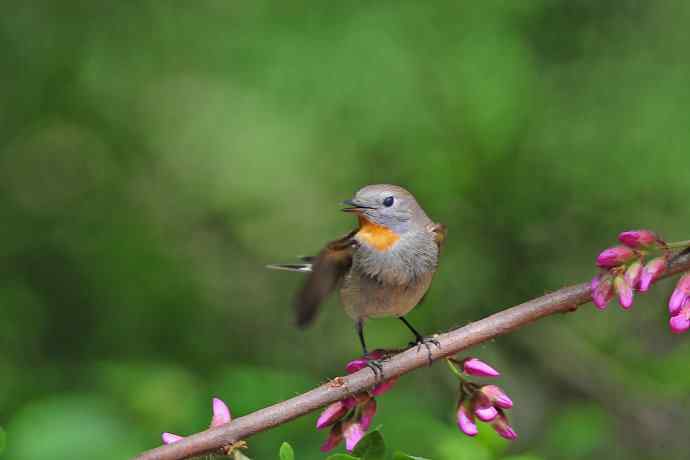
(328, 269)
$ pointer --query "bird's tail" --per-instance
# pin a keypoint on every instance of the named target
(303, 267)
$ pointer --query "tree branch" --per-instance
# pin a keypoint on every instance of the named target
(561, 301)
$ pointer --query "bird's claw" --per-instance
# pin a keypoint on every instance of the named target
(425, 341)
(376, 367)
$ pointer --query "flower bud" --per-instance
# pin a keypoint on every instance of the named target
(638, 238)
(681, 322)
(617, 255)
(221, 413)
(602, 290)
(497, 396)
(466, 421)
(503, 428)
(624, 291)
(478, 368)
(633, 274)
(651, 271)
(680, 295)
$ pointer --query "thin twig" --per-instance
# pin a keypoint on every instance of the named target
(561, 301)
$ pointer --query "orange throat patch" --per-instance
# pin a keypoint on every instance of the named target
(376, 236)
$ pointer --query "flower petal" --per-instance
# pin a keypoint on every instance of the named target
(331, 414)
(624, 291)
(680, 294)
(503, 428)
(352, 432)
(602, 290)
(486, 414)
(169, 438)
(368, 412)
(221, 413)
(383, 387)
(497, 396)
(681, 322)
(651, 271)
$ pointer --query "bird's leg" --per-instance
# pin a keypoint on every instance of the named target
(420, 339)
(373, 364)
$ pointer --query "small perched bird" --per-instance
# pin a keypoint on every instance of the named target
(382, 268)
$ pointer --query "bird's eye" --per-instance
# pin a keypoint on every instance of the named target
(388, 201)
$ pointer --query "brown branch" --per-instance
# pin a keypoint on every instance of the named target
(561, 301)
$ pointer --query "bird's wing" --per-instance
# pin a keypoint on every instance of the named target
(328, 269)
(440, 232)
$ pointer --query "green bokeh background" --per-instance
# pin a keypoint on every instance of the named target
(154, 156)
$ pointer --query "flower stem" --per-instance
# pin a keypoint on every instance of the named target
(678, 244)
(454, 369)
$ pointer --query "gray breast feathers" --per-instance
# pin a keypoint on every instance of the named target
(413, 256)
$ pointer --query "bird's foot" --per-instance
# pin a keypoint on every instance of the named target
(374, 361)
(426, 342)
(376, 367)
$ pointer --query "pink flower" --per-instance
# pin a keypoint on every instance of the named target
(602, 290)
(466, 421)
(478, 368)
(681, 321)
(624, 291)
(617, 255)
(638, 238)
(651, 271)
(351, 417)
(483, 402)
(221, 416)
(680, 295)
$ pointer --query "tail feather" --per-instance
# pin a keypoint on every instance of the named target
(304, 268)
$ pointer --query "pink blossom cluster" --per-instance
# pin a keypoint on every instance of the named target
(624, 270)
(351, 417)
(486, 403)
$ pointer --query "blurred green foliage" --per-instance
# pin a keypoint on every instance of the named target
(155, 156)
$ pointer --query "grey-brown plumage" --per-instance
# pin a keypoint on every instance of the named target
(383, 268)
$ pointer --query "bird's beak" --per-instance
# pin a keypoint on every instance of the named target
(354, 206)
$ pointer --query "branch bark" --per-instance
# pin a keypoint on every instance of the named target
(561, 301)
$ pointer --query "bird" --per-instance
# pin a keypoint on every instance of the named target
(382, 268)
